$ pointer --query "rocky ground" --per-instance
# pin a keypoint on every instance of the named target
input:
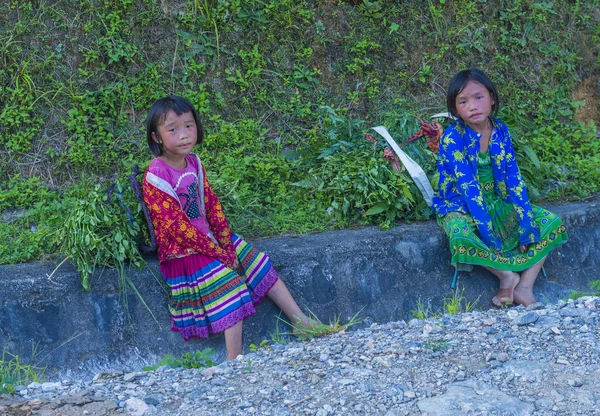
(543, 360)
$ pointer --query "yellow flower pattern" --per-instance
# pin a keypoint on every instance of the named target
(459, 189)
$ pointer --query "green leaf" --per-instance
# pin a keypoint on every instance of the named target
(532, 155)
(378, 208)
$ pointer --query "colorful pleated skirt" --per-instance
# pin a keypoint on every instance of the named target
(207, 297)
(467, 248)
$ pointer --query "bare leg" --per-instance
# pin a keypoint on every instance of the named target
(233, 341)
(508, 281)
(523, 293)
(282, 297)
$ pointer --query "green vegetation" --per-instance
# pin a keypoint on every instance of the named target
(318, 329)
(199, 359)
(276, 337)
(594, 291)
(458, 303)
(451, 305)
(423, 311)
(440, 345)
(98, 233)
(14, 373)
(264, 344)
(286, 90)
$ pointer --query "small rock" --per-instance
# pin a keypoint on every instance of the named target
(535, 306)
(575, 383)
(47, 387)
(346, 381)
(129, 377)
(137, 407)
(512, 314)
(528, 318)
(209, 372)
(503, 357)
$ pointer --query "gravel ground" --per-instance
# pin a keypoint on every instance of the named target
(543, 360)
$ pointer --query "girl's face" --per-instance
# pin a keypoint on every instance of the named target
(474, 104)
(177, 135)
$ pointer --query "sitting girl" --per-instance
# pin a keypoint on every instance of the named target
(482, 201)
(216, 278)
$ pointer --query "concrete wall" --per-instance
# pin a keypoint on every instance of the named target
(77, 334)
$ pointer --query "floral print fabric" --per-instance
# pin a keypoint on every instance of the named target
(176, 235)
(460, 188)
(467, 248)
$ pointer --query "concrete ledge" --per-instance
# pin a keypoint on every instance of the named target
(77, 334)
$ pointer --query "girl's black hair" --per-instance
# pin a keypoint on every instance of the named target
(460, 81)
(158, 113)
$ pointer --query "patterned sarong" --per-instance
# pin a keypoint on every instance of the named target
(466, 247)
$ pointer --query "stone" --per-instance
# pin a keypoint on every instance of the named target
(129, 376)
(512, 314)
(528, 318)
(46, 387)
(137, 407)
(394, 369)
(475, 398)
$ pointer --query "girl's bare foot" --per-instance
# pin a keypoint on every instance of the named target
(505, 295)
(523, 295)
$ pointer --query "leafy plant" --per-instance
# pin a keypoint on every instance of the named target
(371, 9)
(315, 328)
(595, 291)
(437, 345)
(199, 359)
(277, 336)
(14, 373)
(98, 233)
(423, 311)
(452, 305)
(263, 344)
(458, 303)
(351, 178)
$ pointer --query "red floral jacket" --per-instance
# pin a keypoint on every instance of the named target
(175, 234)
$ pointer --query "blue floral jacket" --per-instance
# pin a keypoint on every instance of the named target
(459, 188)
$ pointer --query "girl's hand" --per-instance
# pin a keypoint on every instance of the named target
(235, 265)
(523, 248)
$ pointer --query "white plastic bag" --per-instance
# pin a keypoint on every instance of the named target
(414, 170)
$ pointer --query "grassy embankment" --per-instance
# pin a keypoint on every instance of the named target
(286, 89)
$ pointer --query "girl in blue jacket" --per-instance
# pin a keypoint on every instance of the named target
(482, 201)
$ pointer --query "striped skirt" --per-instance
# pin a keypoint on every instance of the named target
(207, 297)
